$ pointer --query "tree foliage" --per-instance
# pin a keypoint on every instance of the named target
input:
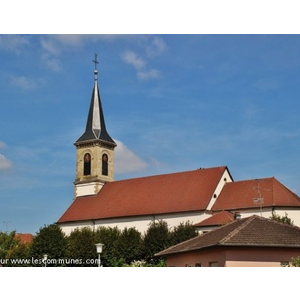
(127, 247)
(7, 243)
(81, 250)
(182, 232)
(278, 218)
(49, 240)
(109, 237)
(19, 255)
(156, 238)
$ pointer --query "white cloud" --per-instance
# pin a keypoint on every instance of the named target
(50, 46)
(139, 64)
(51, 62)
(148, 74)
(126, 161)
(51, 49)
(156, 162)
(23, 82)
(71, 39)
(79, 40)
(132, 58)
(2, 145)
(156, 47)
(5, 163)
(13, 43)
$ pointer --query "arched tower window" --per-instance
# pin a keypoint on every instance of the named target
(87, 164)
(104, 164)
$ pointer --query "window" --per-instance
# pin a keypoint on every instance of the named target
(198, 265)
(87, 164)
(104, 164)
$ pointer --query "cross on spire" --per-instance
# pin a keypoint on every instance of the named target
(95, 61)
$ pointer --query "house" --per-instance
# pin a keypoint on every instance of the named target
(258, 196)
(193, 196)
(245, 198)
(248, 242)
(24, 238)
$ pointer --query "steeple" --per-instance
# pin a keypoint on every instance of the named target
(95, 149)
(95, 125)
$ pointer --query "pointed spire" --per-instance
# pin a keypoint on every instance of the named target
(95, 126)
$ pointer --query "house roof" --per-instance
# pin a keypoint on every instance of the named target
(24, 237)
(245, 194)
(169, 193)
(217, 219)
(254, 231)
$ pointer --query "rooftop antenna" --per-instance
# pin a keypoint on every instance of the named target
(259, 200)
(6, 225)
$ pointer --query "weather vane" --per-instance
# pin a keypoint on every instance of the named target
(96, 61)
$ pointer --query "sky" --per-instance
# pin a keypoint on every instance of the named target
(171, 102)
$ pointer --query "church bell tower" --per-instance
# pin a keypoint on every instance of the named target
(94, 149)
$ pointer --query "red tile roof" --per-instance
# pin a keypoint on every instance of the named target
(24, 237)
(241, 195)
(217, 219)
(254, 231)
(170, 193)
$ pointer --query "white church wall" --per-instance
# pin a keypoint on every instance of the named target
(141, 223)
(225, 178)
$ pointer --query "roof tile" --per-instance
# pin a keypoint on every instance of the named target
(169, 193)
(252, 231)
(241, 194)
(217, 219)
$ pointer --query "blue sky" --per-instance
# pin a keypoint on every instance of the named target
(171, 102)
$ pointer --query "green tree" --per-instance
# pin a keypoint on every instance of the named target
(278, 218)
(7, 242)
(129, 245)
(19, 255)
(81, 248)
(109, 237)
(49, 240)
(156, 238)
(182, 232)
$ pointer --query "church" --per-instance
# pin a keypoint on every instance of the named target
(205, 197)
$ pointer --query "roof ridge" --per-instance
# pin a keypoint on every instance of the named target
(253, 179)
(244, 223)
(167, 174)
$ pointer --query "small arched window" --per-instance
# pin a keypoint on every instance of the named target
(87, 164)
(104, 164)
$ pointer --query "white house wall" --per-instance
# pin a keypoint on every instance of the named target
(293, 214)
